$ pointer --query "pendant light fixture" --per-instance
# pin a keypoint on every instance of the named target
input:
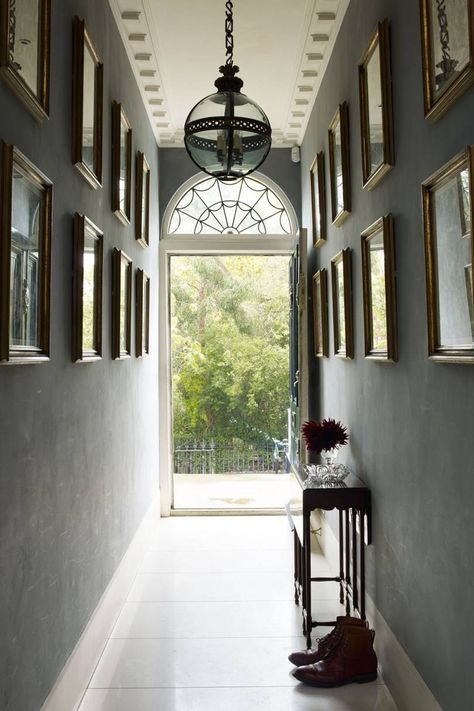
(227, 134)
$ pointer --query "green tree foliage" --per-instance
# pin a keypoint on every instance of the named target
(229, 347)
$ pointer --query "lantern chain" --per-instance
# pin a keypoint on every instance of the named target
(443, 29)
(447, 64)
(229, 30)
(12, 33)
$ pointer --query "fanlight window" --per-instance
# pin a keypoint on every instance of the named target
(242, 206)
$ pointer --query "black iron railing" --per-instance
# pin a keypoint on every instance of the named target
(216, 458)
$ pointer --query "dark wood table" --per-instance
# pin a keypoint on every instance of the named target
(351, 498)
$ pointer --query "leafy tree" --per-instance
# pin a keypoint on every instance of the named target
(229, 347)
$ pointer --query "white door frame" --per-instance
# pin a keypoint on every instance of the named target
(303, 347)
(198, 245)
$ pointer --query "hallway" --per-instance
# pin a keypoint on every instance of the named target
(209, 622)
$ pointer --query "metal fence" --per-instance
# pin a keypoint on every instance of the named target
(212, 458)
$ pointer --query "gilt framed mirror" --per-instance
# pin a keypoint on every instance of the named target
(25, 259)
(142, 202)
(447, 38)
(447, 214)
(142, 321)
(87, 130)
(318, 200)
(378, 279)
(87, 290)
(121, 164)
(320, 314)
(375, 96)
(339, 165)
(341, 281)
(25, 37)
(121, 305)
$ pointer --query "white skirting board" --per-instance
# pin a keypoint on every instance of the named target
(71, 684)
(406, 685)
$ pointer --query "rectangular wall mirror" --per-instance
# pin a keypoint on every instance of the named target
(320, 314)
(25, 27)
(87, 106)
(339, 165)
(87, 291)
(142, 203)
(447, 208)
(142, 326)
(341, 280)
(318, 200)
(121, 164)
(378, 278)
(375, 95)
(469, 293)
(121, 304)
(447, 37)
(25, 259)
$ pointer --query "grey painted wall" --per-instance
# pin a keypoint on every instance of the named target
(410, 422)
(78, 443)
(176, 167)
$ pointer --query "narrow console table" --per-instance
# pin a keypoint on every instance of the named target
(351, 498)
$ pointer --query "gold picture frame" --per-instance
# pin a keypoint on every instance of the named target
(469, 293)
(448, 249)
(87, 109)
(320, 314)
(121, 305)
(379, 291)
(376, 116)
(87, 291)
(142, 321)
(447, 55)
(341, 282)
(142, 202)
(25, 259)
(121, 164)
(25, 60)
(339, 164)
(318, 200)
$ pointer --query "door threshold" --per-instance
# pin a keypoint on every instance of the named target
(228, 512)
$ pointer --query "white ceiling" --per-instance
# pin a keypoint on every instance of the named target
(281, 46)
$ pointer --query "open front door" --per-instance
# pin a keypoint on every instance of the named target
(299, 396)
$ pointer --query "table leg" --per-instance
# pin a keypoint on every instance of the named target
(296, 556)
(307, 576)
(355, 592)
(362, 565)
(348, 561)
(341, 559)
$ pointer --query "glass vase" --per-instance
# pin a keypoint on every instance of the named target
(330, 472)
(313, 479)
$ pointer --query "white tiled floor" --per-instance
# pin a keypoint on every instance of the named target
(234, 491)
(209, 623)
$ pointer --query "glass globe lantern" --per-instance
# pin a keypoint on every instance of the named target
(227, 134)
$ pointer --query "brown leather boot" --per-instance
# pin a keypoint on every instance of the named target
(353, 660)
(327, 643)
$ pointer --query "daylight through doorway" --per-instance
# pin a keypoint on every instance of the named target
(230, 374)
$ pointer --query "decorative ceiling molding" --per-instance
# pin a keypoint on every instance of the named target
(138, 40)
(319, 43)
(138, 32)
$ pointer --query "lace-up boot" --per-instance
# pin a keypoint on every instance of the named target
(327, 643)
(353, 660)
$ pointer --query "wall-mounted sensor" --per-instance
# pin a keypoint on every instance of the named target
(295, 154)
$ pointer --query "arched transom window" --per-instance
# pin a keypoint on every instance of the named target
(243, 206)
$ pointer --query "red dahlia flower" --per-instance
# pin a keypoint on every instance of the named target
(325, 435)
